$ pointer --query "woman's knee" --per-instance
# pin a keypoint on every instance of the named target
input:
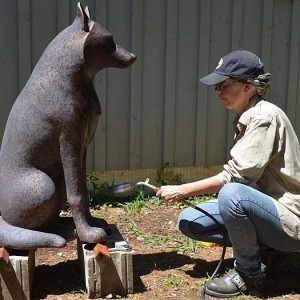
(184, 221)
(228, 196)
(196, 224)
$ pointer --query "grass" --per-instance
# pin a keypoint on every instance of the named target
(138, 202)
(98, 195)
(178, 243)
(173, 280)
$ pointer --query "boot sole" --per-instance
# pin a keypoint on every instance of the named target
(216, 294)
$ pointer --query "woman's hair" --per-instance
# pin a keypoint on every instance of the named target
(262, 83)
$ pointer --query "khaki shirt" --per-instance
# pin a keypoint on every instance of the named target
(266, 156)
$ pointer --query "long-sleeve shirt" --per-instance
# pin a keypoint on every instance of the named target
(266, 156)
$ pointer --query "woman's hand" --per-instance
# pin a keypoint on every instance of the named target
(171, 193)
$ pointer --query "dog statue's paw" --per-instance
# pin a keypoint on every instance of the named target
(92, 235)
(98, 222)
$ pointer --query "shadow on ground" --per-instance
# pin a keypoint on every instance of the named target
(283, 280)
(62, 278)
(66, 277)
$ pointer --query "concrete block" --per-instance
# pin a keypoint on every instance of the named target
(16, 275)
(107, 275)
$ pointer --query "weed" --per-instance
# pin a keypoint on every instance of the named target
(78, 291)
(173, 279)
(167, 176)
(97, 193)
(135, 206)
(156, 201)
(132, 227)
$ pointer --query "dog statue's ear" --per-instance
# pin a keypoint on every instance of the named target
(87, 11)
(83, 17)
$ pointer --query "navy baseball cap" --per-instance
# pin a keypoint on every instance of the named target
(239, 63)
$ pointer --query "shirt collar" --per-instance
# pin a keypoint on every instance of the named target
(245, 117)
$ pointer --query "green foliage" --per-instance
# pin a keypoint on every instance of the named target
(78, 291)
(97, 192)
(98, 195)
(177, 243)
(202, 198)
(166, 176)
(135, 206)
(173, 280)
(132, 227)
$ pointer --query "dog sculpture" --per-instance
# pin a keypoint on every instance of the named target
(43, 152)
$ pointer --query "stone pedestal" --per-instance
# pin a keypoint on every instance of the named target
(16, 274)
(107, 275)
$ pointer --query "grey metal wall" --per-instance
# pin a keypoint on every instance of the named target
(157, 111)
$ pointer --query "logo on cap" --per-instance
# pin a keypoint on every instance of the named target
(220, 63)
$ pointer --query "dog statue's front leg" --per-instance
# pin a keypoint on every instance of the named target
(72, 155)
(81, 216)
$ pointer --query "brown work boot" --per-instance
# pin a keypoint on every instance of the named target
(232, 284)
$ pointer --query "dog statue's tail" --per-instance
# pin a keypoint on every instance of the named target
(25, 239)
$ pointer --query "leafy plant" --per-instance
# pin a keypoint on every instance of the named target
(78, 291)
(173, 279)
(166, 176)
(97, 192)
(135, 206)
(133, 228)
(178, 243)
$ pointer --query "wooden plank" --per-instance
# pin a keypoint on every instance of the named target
(9, 52)
(266, 43)
(118, 90)
(237, 24)
(24, 37)
(4, 255)
(236, 43)
(153, 56)
(136, 86)
(204, 54)
(293, 77)
(186, 174)
(170, 82)
(101, 89)
(101, 248)
(63, 12)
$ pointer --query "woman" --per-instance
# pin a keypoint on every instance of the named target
(259, 188)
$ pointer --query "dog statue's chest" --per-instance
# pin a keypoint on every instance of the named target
(92, 117)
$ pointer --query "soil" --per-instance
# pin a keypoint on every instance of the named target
(166, 265)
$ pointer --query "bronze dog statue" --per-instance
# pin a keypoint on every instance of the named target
(43, 152)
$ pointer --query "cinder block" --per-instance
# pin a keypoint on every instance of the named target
(16, 275)
(107, 275)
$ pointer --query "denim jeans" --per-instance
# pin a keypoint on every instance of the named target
(248, 216)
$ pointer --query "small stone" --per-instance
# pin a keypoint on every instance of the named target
(111, 296)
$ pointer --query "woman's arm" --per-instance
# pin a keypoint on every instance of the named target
(174, 193)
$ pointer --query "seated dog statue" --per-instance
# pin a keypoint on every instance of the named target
(43, 151)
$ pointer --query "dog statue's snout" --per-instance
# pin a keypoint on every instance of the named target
(123, 58)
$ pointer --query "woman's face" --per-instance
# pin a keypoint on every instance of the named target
(234, 95)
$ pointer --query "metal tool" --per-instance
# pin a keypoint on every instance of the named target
(120, 246)
(117, 190)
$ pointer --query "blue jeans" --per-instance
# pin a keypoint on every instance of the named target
(248, 217)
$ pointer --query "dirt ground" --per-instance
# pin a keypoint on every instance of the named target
(166, 265)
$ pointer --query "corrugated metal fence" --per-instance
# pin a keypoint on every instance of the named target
(157, 111)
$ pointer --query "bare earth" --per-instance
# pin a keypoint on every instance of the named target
(166, 264)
